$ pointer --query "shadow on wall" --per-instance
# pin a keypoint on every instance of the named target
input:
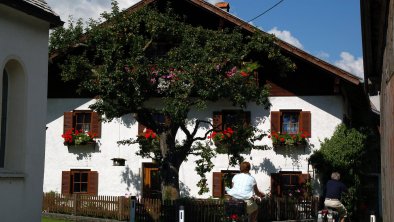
(184, 190)
(57, 107)
(294, 152)
(266, 166)
(131, 179)
(128, 120)
(84, 152)
(328, 104)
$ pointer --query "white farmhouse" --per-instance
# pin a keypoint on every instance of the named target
(24, 31)
(315, 99)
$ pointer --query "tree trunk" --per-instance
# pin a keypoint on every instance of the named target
(170, 181)
(169, 169)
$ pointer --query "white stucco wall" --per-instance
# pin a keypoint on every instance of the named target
(326, 114)
(24, 55)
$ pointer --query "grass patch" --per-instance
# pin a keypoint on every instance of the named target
(47, 219)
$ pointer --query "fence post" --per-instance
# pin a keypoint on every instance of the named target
(75, 200)
(133, 205)
(120, 207)
(372, 217)
(181, 214)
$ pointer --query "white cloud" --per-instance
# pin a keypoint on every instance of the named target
(214, 1)
(323, 55)
(85, 9)
(286, 36)
(351, 64)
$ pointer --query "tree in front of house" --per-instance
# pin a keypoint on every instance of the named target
(154, 65)
(344, 152)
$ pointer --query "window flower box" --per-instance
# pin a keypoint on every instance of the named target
(76, 138)
(289, 140)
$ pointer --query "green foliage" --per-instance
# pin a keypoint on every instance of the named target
(76, 137)
(289, 139)
(235, 142)
(63, 38)
(135, 57)
(203, 165)
(343, 152)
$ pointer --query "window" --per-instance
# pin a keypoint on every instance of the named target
(230, 118)
(84, 120)
(151, 181)
(291, 121)
(220, 180)
(4, 102)
(286, 182)
(80, 181)
(159, 119)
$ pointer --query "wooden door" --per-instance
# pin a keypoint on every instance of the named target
(151, 181)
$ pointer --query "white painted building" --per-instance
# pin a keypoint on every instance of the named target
(326, 112)
(320, 95)
(24, 35)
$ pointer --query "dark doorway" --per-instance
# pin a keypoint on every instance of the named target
(151, 181)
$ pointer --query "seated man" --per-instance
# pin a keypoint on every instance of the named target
(244, 187)
(334, 190)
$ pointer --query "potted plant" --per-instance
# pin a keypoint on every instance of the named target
(78, 137)
(290, 140)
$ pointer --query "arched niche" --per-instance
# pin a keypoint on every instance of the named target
(13, 113)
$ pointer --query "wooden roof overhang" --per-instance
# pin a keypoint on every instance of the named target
(342, 74)
(37, 8)
(250, 28)
(374, 16)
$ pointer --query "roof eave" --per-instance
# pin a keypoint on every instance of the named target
(54, 20)
(284, 45)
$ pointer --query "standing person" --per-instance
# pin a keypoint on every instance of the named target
(244, 186)
(334, 190)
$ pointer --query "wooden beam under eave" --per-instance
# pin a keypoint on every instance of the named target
(314, 60)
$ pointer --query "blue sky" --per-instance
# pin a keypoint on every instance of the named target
(327, 29)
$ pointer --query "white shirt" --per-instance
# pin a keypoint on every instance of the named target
(243, 186)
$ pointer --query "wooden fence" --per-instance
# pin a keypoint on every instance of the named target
(196, 210)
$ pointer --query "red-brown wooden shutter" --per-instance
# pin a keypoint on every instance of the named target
(93, 182)
(305, 122)
(96, 124)
(275, 184)
(66, 183)
(217, 121)
(303, 178)
(275, 121)
(141, 128)
(67, 121)
(217, 189)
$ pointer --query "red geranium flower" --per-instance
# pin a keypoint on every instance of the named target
(234, 217)
(244, 74)
(150, 134)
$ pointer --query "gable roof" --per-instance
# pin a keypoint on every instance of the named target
(37, 8)
(284, 45)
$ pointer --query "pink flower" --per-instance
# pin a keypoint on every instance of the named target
(231, 72)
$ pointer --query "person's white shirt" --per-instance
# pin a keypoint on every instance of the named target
(243, 186)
